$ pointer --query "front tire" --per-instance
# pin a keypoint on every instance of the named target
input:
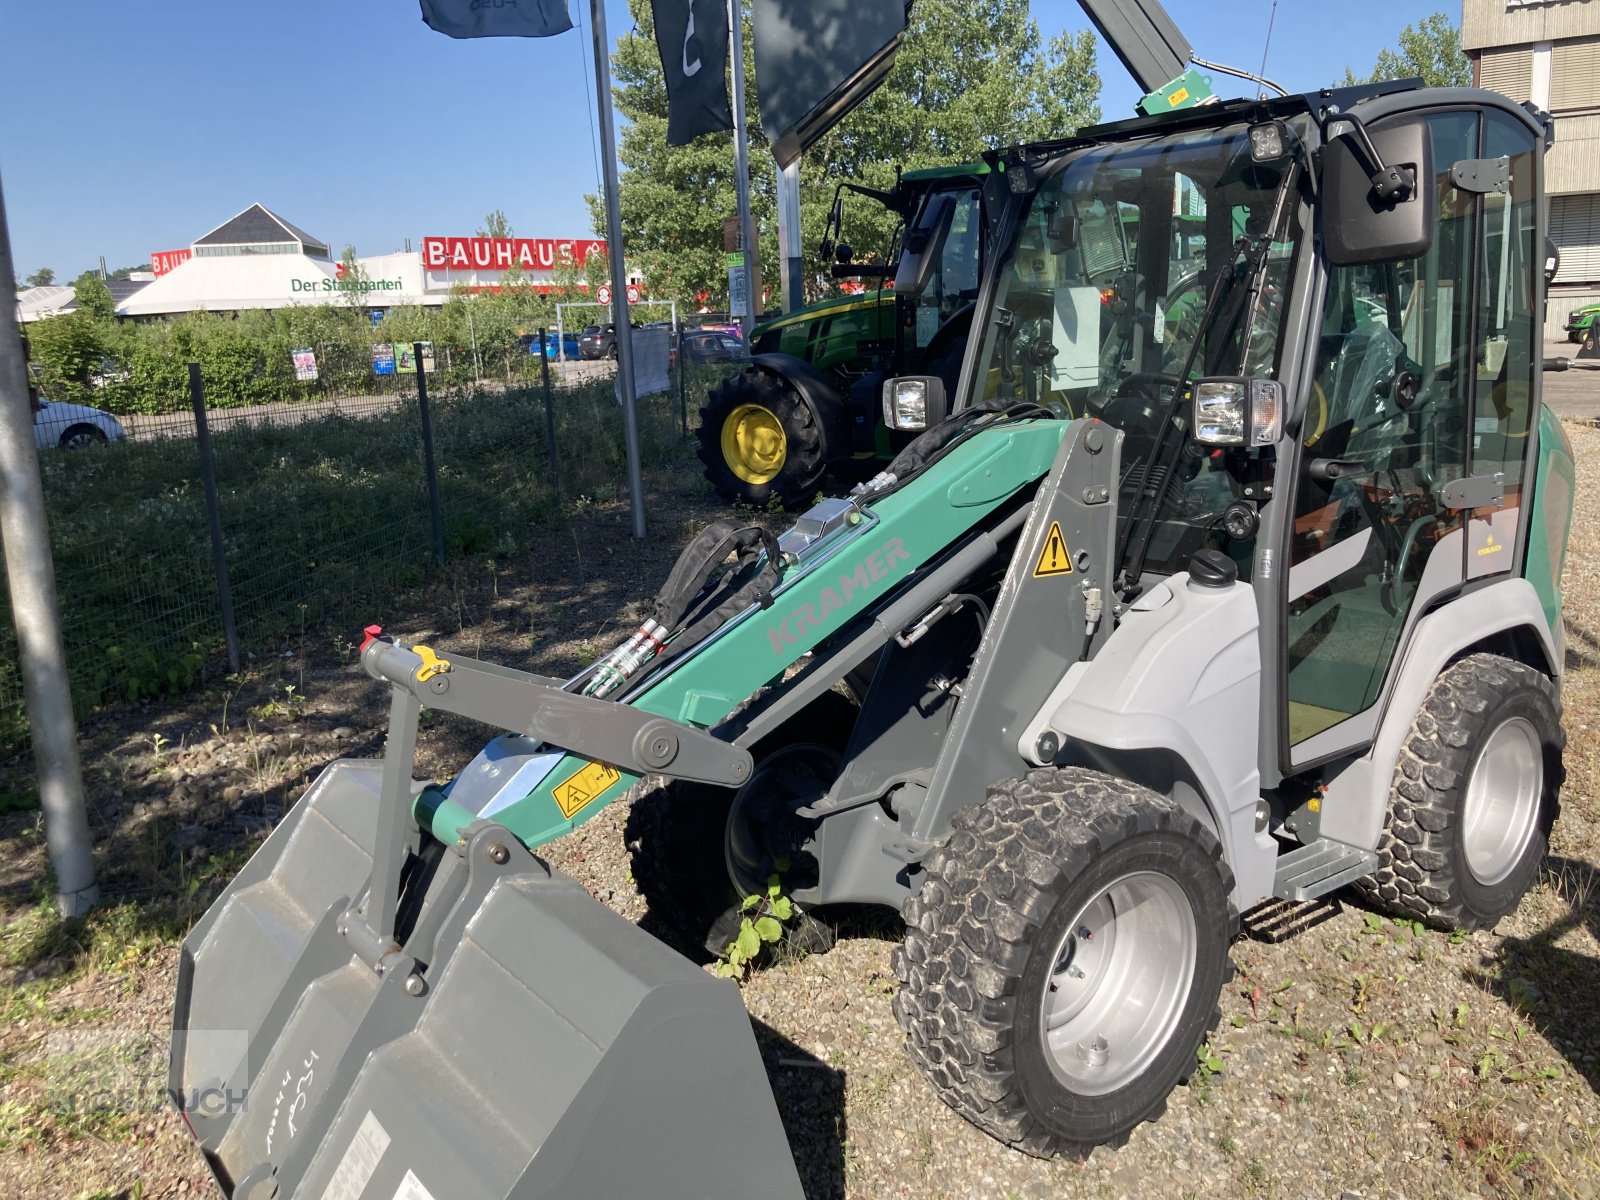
(1063, 959)
(690, 841)
(1474, 796)
(760, 441)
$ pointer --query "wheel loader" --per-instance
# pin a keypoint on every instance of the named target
(808, 400)
(1156, 617)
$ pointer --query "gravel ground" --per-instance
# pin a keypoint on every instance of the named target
(1357, 1056)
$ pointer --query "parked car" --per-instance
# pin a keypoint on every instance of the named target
(599, 341)
(72, 426)
(555, 345)
(711, 346)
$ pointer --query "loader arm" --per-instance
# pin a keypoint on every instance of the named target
(849, 575)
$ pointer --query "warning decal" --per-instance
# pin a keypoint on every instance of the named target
(583, 787)
(1054, 558)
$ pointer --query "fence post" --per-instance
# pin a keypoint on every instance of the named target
(683, 382)
(427, 454)
(549, 413)
(208, 480)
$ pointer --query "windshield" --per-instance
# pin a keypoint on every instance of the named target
(1099, 303)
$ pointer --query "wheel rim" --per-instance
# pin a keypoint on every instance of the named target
(753, 443)
(1502, 805)
(79, 440)
(1118, 983)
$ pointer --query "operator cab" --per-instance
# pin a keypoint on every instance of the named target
(1315, 321)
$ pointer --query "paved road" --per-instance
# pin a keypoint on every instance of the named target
(1575, 392)
(181, 424)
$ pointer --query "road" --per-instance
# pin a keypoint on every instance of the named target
(181, 424)
(1575, 392)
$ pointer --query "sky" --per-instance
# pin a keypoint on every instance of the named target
(130, 128)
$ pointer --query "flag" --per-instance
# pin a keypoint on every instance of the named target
(497, 18)
(692, 38)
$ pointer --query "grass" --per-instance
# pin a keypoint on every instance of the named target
(325, 522)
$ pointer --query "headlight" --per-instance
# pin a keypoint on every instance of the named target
(1237, 411)
(913, 402)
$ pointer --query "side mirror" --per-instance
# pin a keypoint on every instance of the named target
(1062, 230)
(1378, 197)
(924, 246)
(914, 402)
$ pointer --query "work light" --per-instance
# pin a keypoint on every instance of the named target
(1233, 411)
(912, 402)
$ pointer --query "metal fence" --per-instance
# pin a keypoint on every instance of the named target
(323, 514)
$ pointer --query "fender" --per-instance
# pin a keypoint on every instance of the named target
(1358, 796)
(1160, 704)
(831, 409)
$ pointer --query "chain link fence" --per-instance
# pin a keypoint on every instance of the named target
(324, 512)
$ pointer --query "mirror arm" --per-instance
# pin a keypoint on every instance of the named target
(1392, 185)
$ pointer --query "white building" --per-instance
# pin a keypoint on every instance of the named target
(1548, 52)
(259, 260)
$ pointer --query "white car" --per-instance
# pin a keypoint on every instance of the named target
(72, 426)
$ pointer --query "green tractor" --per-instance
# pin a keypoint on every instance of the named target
(809, 400)
(1583, 327)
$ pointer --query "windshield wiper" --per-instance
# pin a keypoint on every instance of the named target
(1149, 501)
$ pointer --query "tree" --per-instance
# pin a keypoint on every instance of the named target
(495, 225)
(43, 277)
(92, 296)
(352, 278)
(1430, 49)
(68, 348)
(968, 76)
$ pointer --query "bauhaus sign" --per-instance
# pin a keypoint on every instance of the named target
(162, 261)
(500, 254)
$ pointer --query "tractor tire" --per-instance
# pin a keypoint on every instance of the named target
(1074, 902)
(760, 441)
(678, 834)
(1474, 796)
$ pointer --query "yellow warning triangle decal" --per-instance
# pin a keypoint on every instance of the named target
(1054, 558)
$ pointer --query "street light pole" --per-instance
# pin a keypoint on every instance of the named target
(619, 274)
(42, 656)
(741, 173)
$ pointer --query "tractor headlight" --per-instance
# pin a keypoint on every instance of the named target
(913, 402)
(1237, 411)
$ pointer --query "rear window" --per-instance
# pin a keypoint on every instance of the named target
(588, 329)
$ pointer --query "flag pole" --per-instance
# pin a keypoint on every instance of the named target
(619, 275)
(741, 174)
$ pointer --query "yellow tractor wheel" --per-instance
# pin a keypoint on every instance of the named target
(761, 441)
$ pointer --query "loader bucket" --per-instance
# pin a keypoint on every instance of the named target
(525, 1042)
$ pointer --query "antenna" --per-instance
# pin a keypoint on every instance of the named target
(1272, 18)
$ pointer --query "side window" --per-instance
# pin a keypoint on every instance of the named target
(1509, 349)
(1391, 403)
(955, 283)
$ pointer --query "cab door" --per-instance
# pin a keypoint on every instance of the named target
(1403, 441)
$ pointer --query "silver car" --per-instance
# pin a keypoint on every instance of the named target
(72, 426)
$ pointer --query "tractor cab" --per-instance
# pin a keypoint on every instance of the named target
(810, 400)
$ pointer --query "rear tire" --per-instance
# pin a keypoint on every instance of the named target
(1049, 1040)
(1474, 796)
(760, 441)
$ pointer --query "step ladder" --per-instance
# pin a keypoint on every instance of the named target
(1320, 867)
